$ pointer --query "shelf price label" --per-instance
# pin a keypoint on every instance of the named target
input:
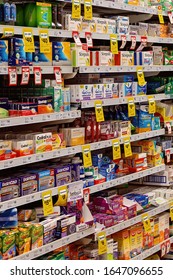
(86, 153)
(140, 76)
(28, 40)
(76, 9)
(25, 75)
(170, 15)
(62, 196)
(124, 41)
(8, 32)
(116, 149)
(131, 107)
(152, 105)
(44, 41)
(88, 11)
(47, 202)
(102, 243)
(114, 44)
(99, 111)
(12, 72)
(86, 195)
(160, 15)
(133, 45)
(171, 211)
(163, 249)
(89, 40)
(58, 75)
(146, 223)
(127, 147)
(37, 75)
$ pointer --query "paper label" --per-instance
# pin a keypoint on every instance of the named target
(160, 15)
(152, 104)
(44, 41)
(25, 75)
(37, 75)
(8, 32)
(131, 107)
(171, 211)
(114, 43)
(102, 243)
(140, 76)
(133, 45)
(99, 111)
(76, 38)
(127, 147)
(12, 72)
(86, 153)
(28, 40)
(58, 76)
(146, 223)
(116, 149)
(47, 202)
(86, 195)
(62, 196)
(124, 41)
(89, 39)
(88, 12)
(76, 9)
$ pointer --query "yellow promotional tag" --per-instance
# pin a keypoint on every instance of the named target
(171, 211)
(102, 243)
(44, 41)
(76, 9)
(127, 147)
(28, 40)
(88, 10)
(140, 76)
(131, 107)
(152, 105)
(62, 196)
(47, 202)
(146, 223)
(114, 44)
(99, 111)
(86, 153)
(116, 149)
(160, 15)
(8, 32)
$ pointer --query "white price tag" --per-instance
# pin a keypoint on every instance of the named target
(25, 75)
(170, 15)
(143, 44)
(76, 38)
(124, 41)
(37, 75)
(12, 72)
(89, 40)
(133, 45)
(58, 76)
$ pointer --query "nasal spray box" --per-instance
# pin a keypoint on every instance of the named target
(72, 24)
(143, 58)
(61, 53)
(80, 55)
(42, 58)
(18, 56)
(101, 58)
(81, 92)
(122, 25)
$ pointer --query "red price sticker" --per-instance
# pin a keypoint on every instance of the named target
(58, 76)
(168, 156)
(37, 75)
(124, 41)
(86, 195)
(133, 45)
(143, 44)
(89, 39)
(163, 249)
(170, 15)
(76, 38)
(25, 75)
(12, 72)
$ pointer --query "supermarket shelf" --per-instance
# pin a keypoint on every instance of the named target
(152, 250)
(123, 69)
(44, 69)
(126, 179)
(135, 137)
(54, 245)
(136, 219)
(124, 100)
(23, 200)
(58, 116)
(4, 164)
(121, 6)
(60, 33)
